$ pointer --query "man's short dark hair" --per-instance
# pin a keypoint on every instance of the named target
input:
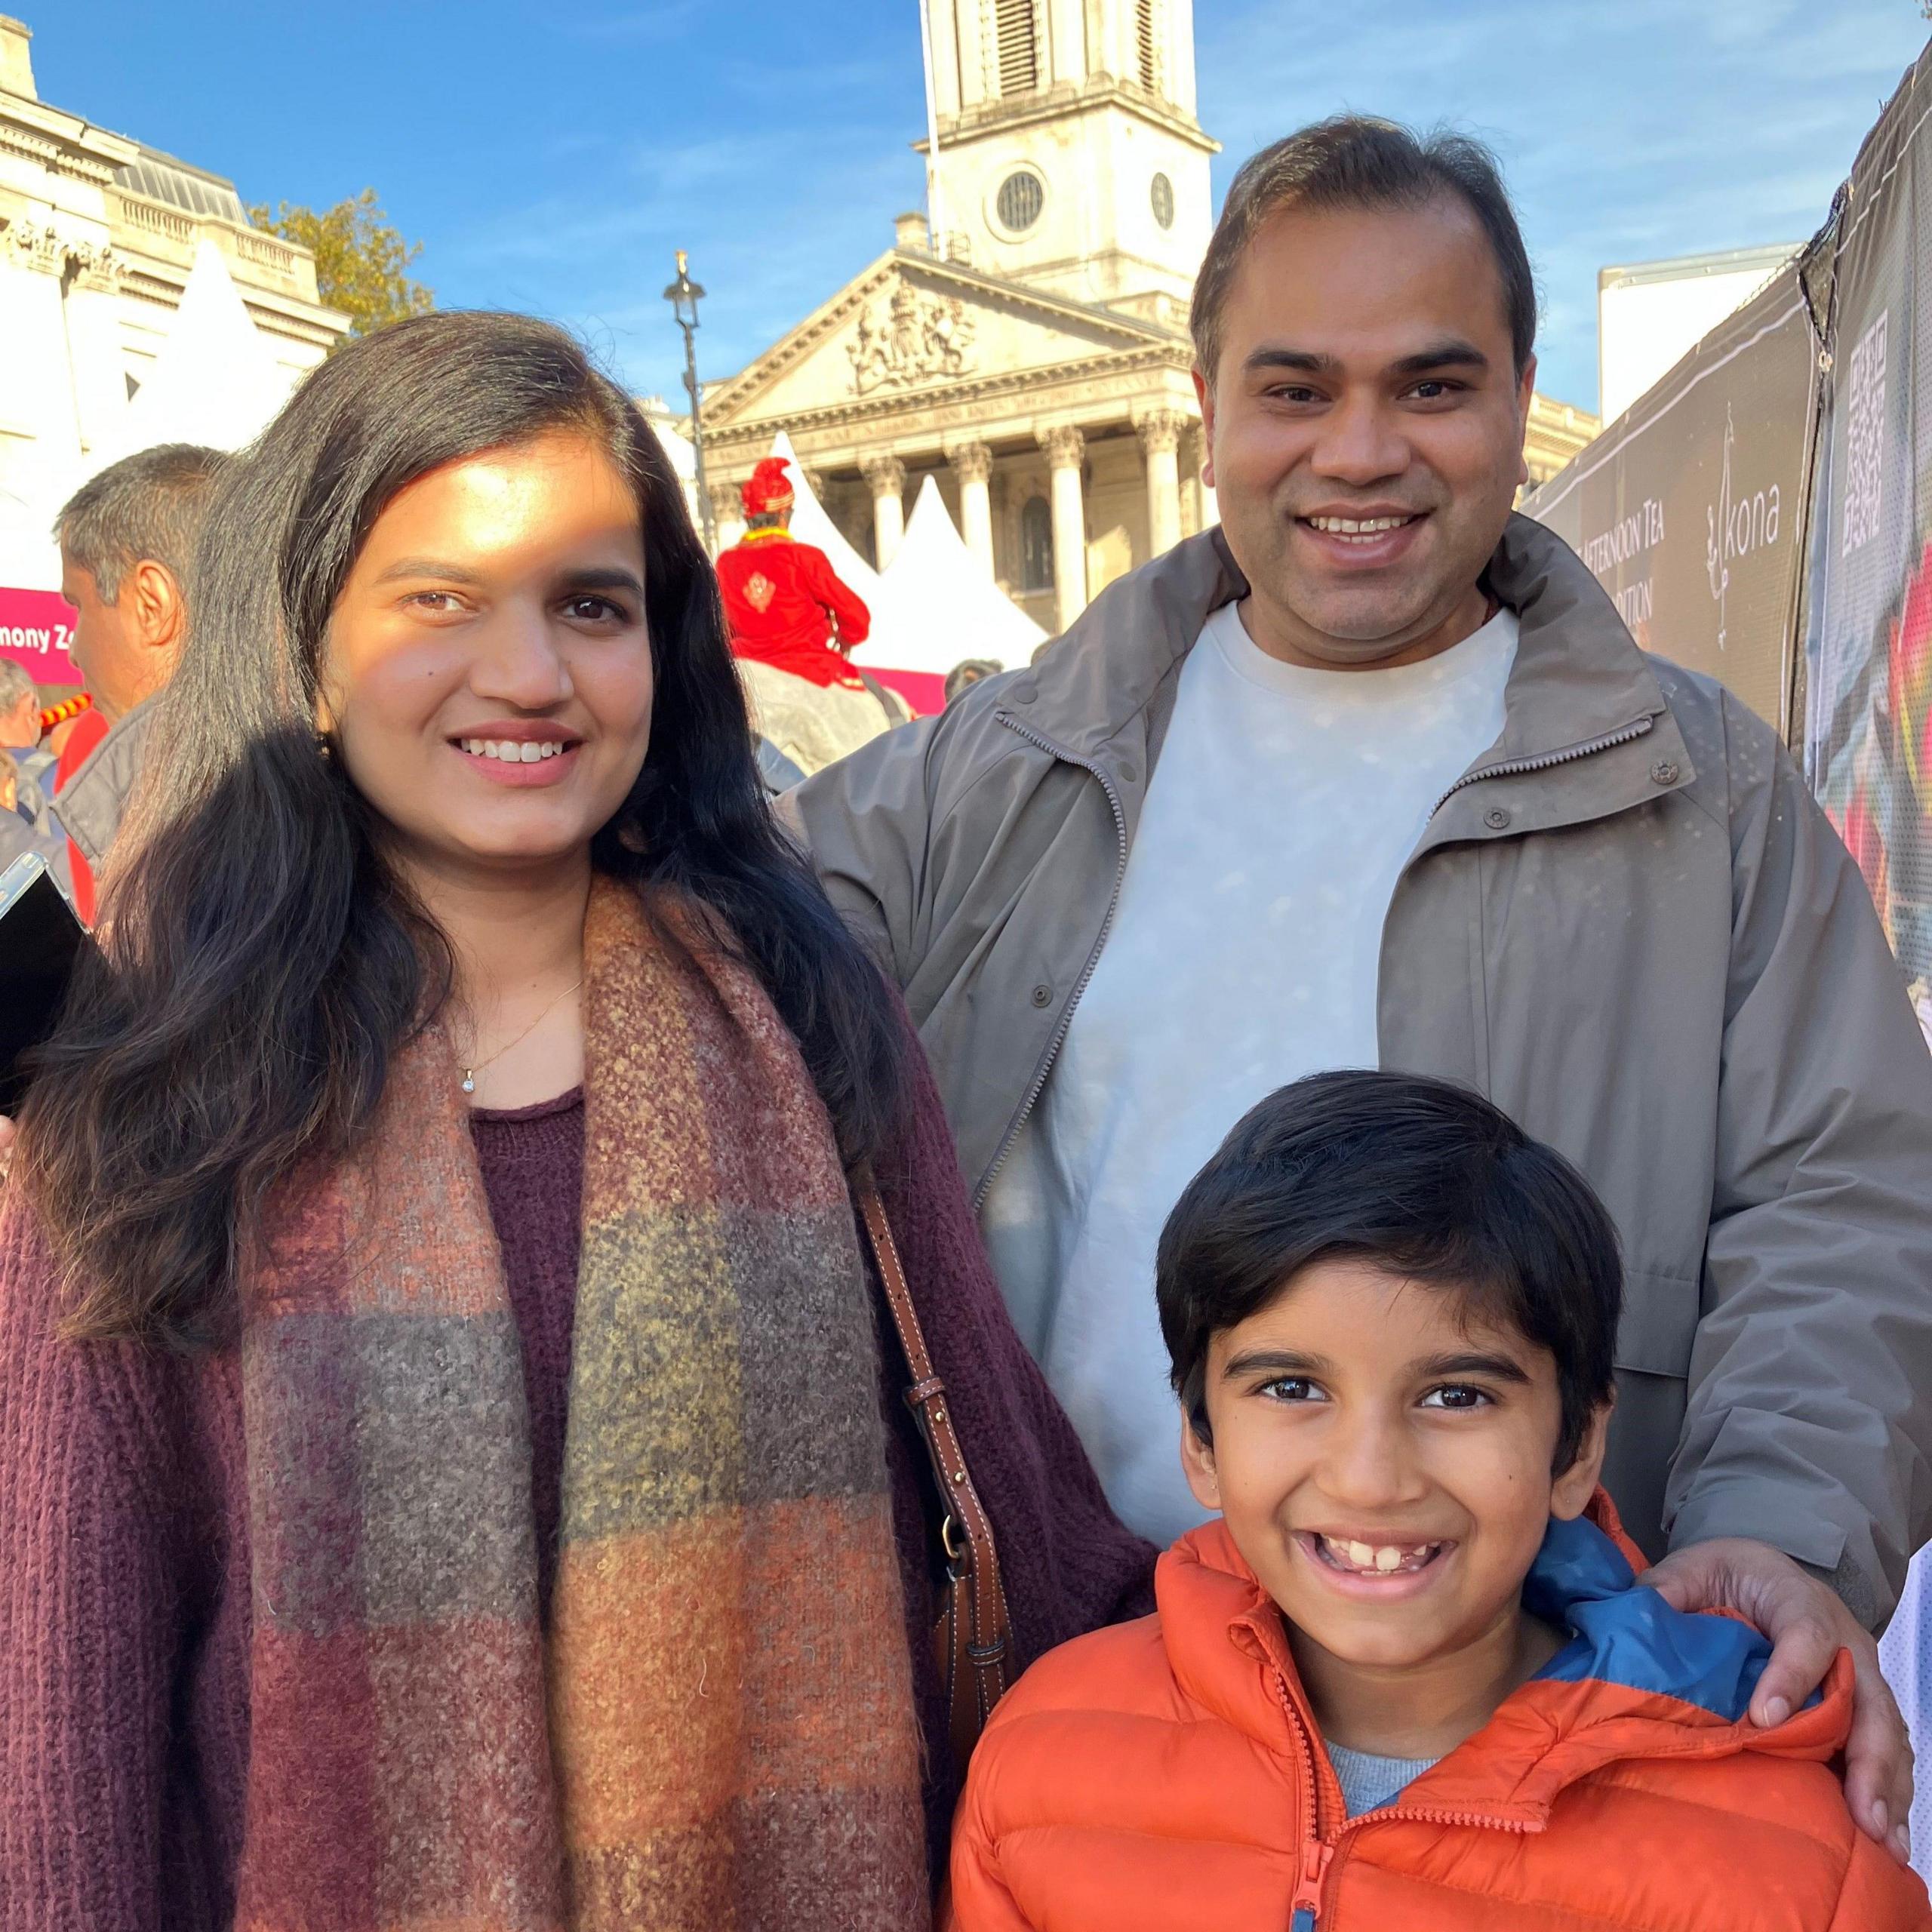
(1354, 161)
(146, 508)
(1419, 1178)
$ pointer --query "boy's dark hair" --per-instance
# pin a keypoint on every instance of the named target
(1354, 161)
(1425, 1179)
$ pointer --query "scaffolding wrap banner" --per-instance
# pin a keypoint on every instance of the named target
(1868, 640)
(1689, 507)
(37, 630)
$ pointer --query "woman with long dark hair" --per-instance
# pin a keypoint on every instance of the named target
(443, 1478)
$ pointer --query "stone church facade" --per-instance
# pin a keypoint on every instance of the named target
(1032, 353)
(98, 235)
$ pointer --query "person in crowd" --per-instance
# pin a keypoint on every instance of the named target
(448, 1466)
(965, 675)
(126, 536)
(1372, 774)
(1405, 1677)
(20, 709)
(792, 620)
(26, 817)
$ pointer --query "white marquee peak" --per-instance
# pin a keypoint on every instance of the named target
(215, 381)
(937, 604)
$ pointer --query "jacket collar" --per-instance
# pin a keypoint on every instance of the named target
(1638, 1679)
(1105, 689)
(94, 800)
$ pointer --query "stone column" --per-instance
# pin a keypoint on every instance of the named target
(1066, 447)
(972, 464)
(1195, 455)
(94, 335)
(37, 377)
(885, 477)
(727, 510)
(1160, 440)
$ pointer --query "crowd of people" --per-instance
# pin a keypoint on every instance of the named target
(1272, 1275)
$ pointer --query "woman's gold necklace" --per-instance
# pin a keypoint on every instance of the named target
(469, 1073)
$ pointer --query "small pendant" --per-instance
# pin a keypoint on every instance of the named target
(468, 1082)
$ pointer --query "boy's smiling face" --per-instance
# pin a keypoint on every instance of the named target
(1384, 1462)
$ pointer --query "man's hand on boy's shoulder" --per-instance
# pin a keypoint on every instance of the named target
(1808, 1625)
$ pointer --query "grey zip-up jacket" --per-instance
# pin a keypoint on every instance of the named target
(1629, 923)
(94, 800)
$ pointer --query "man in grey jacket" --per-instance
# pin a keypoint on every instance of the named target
(127, 537)
(1374, 774)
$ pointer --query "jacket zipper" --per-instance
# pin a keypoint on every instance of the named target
(1515, 767)
(1305, 1908)
(1059, 1039)
(1318, 1853)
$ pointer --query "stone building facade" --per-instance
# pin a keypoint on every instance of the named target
(98, 235)
(1028, 348)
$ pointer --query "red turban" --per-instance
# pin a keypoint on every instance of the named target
(769, 488)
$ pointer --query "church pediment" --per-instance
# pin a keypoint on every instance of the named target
(910, 324)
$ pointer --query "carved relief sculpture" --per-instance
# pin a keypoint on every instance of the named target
(45, 248)
(914, 338)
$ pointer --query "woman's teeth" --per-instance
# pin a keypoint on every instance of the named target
(1375, 1559)
(512, 752)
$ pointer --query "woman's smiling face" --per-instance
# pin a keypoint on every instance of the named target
(486, 676)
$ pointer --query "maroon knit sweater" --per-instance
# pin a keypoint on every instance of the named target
(125, 1613)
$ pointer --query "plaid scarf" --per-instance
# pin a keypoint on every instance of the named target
(718, 1732)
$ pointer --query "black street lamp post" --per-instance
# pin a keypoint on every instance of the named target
(684, 295)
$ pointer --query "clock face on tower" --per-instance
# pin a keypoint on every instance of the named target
(1162, 193)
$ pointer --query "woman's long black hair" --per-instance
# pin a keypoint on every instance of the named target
(262, 962)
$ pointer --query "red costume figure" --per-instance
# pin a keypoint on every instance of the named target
(786, 604)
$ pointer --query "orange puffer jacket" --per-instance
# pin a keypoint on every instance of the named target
(1168, 1773)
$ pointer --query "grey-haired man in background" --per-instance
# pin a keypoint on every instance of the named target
(127, 538)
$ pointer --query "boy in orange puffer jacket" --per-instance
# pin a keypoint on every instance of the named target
(1408, 1679)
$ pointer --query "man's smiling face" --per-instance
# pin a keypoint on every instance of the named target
(1365, 423)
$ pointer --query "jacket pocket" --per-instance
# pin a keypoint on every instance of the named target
(1659, 1324)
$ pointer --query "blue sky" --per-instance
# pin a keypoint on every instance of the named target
(551, 157)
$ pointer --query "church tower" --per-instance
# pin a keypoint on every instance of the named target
(1070, 155)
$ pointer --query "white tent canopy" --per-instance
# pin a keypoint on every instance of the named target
(933, 607)
(29, 557)
(936, 605)
(216, 380)
(811, 525)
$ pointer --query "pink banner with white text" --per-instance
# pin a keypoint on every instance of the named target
(37, 631)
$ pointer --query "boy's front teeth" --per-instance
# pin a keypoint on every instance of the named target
(1383, 1558)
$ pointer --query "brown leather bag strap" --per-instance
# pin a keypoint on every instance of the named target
(976, 1636)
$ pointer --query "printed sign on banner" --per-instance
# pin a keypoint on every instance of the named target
(37, 630)
(1868, 645)
(1689, 507)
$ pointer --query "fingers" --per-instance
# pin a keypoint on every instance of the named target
(1805, 1622)
(1877, 1758)
(1802, 1649)
(1689, 1579)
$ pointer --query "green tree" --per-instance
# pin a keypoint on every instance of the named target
(361, 262)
